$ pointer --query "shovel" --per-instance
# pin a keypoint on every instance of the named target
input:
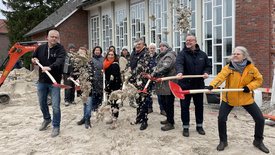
(150, 77)
(144, 89)
(52, 78)
(178, 92)
(77, 84)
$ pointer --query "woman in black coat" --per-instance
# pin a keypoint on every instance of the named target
(112, 82)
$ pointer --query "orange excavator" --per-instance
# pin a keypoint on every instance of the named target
(17, 50)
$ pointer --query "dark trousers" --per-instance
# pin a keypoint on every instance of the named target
(142, 109)
(185, 114)
(69, 93)
(252, 109)
(96, 100)
(162, 102)
(169, 102)
(115, 107)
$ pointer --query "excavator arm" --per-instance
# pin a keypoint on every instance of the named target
(17, 50)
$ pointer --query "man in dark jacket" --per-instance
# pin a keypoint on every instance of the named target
(68, 71)
(50, 55)
(192, 61)
(140, 62)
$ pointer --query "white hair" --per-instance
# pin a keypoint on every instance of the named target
(152, 44)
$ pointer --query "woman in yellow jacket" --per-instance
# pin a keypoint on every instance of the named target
(240, 73)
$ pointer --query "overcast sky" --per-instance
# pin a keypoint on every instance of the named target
(2, 7)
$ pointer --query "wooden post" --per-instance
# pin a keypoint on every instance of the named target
(272, 102)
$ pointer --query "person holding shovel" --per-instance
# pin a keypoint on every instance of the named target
(192, 61)
(166, 67)
(112, 83)
(240, 73)
(52, 56)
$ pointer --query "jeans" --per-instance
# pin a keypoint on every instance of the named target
(185, 114)
(87, 108)
(169, 100)
(42, 91)
(96, 100)
(252, 109)
(69, 93)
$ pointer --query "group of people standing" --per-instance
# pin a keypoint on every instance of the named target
(239, 73)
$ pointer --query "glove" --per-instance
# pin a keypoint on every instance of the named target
(246, 89)
(210, 87)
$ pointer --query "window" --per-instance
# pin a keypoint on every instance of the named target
(178, 37)
(158, 21)
(218, 32)
(137, 22)
(121, 30)
(106, 32)
(94, 31)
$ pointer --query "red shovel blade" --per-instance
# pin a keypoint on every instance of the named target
(148, 76)
(143, 91)
(61, 86)
(176, 90)
(77, 88)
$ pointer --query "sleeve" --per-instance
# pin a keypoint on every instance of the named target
(208, 66)
(59, 60)
(179, 65)
(257, 81)
(165, 67)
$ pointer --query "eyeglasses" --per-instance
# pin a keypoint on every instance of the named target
(190, 40)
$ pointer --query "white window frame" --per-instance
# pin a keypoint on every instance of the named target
(120, 30)
(106, 32)
(94, 31)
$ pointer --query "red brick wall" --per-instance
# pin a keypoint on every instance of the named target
(75, 30)
(4, 47)
(272, 35)
(253, 32)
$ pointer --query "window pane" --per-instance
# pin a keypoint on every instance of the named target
(208, 47)
(227, 7)
(227, 46)
(164, 20)
(164, 5)
(218, 16)
(177, 39)
(208, 11)
(208, 30)
(218, 35)
(218, 54)
(218, 2)
(218, 68)
(158, 15)
(227, 27)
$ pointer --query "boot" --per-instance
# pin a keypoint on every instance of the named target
(82, 121)
(144, 125)
(44, 124)
(222, 145)
(150, 110)
(260, 145)
(87, 123)
(200, 130)
(110, 121)
(185, 132)
(113, 125)
(167, 127)
(163, 113)
(164, 122)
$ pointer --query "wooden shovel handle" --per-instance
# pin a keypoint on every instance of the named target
(178, 77)
(213, 90)
(49, 74)
(77, 84)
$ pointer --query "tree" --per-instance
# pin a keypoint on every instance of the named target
(23, 15)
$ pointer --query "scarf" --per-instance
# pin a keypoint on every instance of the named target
(107, 64)
(239, 66)
(141, 49)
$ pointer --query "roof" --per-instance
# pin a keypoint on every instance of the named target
(3, 26)
(56, 18)
(87, 2)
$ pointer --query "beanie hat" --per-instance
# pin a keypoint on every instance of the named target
(71, 46)
(124, 48)
(164, 43)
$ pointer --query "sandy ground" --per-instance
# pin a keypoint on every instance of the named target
(21, 118)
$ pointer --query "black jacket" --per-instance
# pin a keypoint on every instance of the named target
(53, 58)
(115, 83)
(139, 62)
(190, 62)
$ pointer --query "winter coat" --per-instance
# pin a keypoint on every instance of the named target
(165, 67)
(153, 62)
(190, 62)
(68, 68)
(250, 77)
(112, 78)
(97, 67)
(139, 62)
(53, 58)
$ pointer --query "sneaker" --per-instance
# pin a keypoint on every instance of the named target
(73, 102)
(55, 132)
(44, 124)
(167, 127)
(144, 125)
(82, 121)
(164, 122)
(200, 130)
(222, 145)
(163, 113)
(150, 110)
(67, 103)
(185, 132)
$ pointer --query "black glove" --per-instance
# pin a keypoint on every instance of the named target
(246, 89)
(210, 87)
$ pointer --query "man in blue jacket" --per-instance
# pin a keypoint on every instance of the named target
(50, 55)
(192, 61)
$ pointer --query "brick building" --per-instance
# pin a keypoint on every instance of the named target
(219, 25)
(4, 42)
